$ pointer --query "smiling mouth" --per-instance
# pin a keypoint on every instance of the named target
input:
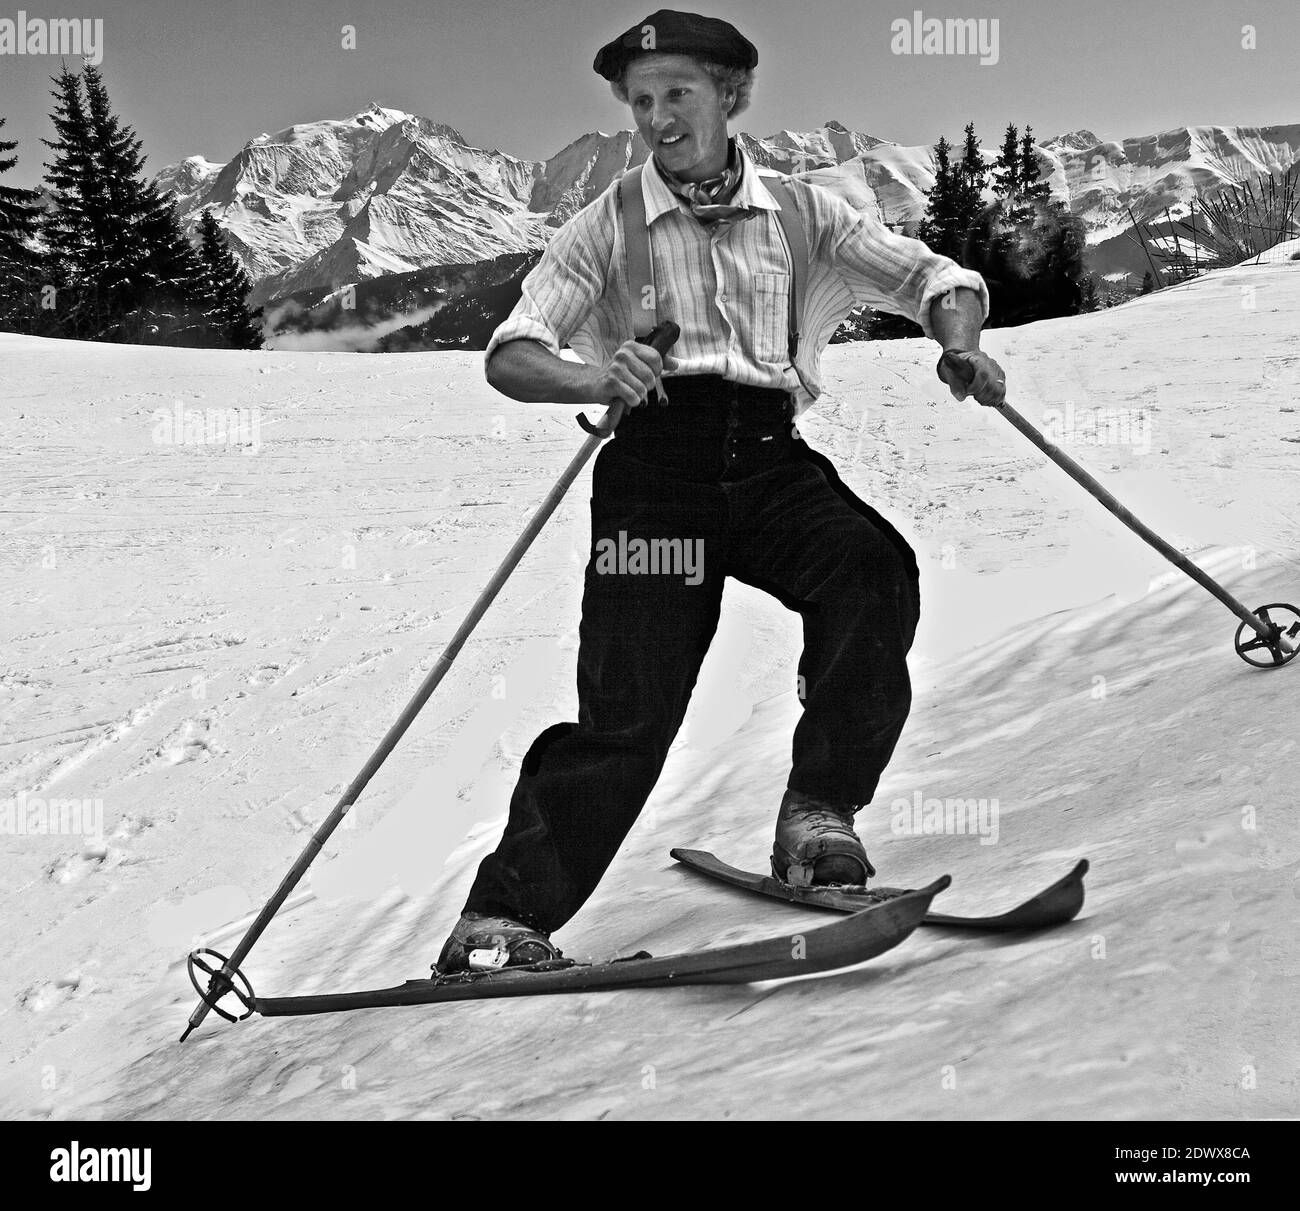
(673, 140)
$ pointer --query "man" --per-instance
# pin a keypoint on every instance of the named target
(721, 466)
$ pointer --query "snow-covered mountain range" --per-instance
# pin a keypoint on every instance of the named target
(323, 204)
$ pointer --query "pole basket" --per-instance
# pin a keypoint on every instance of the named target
(1269, 653)
(220, 985)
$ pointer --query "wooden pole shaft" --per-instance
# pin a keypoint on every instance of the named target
(405, 719)
(1108, 500)
(661, 338)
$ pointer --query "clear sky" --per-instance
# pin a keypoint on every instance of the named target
(205, 77)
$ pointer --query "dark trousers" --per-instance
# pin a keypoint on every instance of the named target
(729, 475)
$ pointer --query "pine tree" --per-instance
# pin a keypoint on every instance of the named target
(972, 180)
(227, 286)
(1036, 192)
(124, 268)
(941, 228)
(19, 262)
(1006, 168)
(73, 232)
(974, 172)
(1028, 248)
(149, 271)
(19, 209)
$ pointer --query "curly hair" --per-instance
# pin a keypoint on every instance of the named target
(739, 78)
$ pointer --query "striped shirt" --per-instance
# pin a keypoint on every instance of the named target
(728, 289)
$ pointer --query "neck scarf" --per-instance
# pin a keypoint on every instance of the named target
(709, 200)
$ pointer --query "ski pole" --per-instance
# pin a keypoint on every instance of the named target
(661, 338)
(1280, 642)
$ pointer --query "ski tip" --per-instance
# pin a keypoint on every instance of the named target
(693, 857)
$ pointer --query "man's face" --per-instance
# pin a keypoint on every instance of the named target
(681, 112)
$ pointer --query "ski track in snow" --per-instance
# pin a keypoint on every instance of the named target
(211, 642)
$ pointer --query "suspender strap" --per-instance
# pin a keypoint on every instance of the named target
(636, 244)
(797, 243)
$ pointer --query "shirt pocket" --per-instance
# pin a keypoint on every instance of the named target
(769, 335)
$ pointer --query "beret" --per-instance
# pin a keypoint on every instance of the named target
(668, 32)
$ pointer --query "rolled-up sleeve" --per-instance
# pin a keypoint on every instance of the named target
(562, 288)
(893, 272)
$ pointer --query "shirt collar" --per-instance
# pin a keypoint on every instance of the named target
(659, 199)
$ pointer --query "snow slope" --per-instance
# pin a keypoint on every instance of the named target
(211, 641)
